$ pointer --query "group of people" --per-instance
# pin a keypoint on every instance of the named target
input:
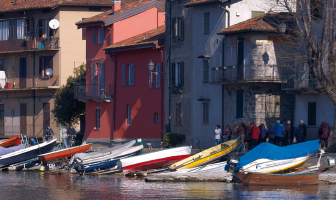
(71, 133)
(281, 134)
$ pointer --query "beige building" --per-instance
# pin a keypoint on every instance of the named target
(28, 47)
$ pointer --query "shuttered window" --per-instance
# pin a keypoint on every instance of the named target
(93, 36)
(100, 35)
(158, 75)
(97, 118)
(178, 74)
(311, 113)
(178, 29)
(131, 74)
(178, 114)
(93, 79)
(129, 115)
(101, 79)
(205, 112)
(205, 71)
(206, 28)
(239, 104)
(123, 75)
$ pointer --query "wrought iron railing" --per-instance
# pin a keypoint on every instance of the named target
(92, 91)
(29, 83)
(295, 83)
(29, 44)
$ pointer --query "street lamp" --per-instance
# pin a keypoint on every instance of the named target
(151, 68)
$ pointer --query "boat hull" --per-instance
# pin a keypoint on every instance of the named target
(14, 141)
(271, 166)
(63, 153)
(154, 160)
(26, 154)
(253, 179)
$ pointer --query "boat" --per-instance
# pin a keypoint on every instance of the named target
(206, 156)
(269, 158)
(27, 153)
(4, 151)
(108, 161)
(153, 160)
(254, 179)
(11, 141)
(82, 157)
(63, 153)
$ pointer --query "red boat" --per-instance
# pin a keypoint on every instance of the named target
(63, 153)
(14, 141)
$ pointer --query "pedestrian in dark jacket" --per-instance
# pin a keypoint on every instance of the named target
(300, 132)
(263, 133)
(254, 133)
(324, 133)
(288, 138)
(49, 133)
(71, 132)
(247, 135)
(235, 133)
(278, 131)
(227, 133)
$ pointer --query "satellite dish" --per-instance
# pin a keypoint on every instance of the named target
(49, 72)
(54, 24)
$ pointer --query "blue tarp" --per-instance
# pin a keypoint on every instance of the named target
(4, 151)
(274, 152)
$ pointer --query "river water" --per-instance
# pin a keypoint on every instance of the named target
(39, 185)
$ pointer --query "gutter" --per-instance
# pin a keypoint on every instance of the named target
(127, 48)
(114, 58)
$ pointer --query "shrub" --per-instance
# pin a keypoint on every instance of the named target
(173, 139)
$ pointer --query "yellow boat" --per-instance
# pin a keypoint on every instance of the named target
(206, 156)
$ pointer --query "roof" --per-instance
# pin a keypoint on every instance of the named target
(202, 2)
(8, 5)
(150, 39)
(268, 22)
(99, 19)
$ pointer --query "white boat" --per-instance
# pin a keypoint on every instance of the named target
(215, 167)
(154, 160)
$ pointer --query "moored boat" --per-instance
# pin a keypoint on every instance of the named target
(63, 153)
(27, 153)
(253, 179)
(206, 156)
(154, 160)
(11, 141)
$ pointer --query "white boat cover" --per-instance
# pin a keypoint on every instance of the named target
(85, 156)
(4, 150)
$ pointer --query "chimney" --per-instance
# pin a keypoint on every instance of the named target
(116, 4)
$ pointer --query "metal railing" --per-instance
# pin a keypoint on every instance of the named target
(29, 44)
(29, 83)
(266, 73)
(295, 83)
(92, 91)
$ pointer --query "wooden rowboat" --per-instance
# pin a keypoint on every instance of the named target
(253, 179)
(206, 156)
(63, 153)
(11, 141)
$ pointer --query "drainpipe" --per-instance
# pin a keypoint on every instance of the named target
(114, 58)
(162, 101)
(228, 14)
(34, 93)
(169, 65)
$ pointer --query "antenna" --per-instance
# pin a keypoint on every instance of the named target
(54, 24)
(49, 72)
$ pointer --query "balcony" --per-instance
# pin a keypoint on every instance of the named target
(300, 84)
(29, 83)
(36, 44)
(234, 74)
(97, 92)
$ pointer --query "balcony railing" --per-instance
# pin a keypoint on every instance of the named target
(295, 83)
(29, 83)
(96, 91)
(35, 44)
(267, 73)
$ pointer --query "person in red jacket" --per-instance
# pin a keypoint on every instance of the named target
(254, 132)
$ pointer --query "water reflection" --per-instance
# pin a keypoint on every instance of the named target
(35, 185)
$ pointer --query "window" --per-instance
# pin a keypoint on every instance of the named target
(123, 75)
(178, 114)
(205, 71)
(129, 115)
(239, 103)
(158, 79)
(131, 74)
(178, 28)
(97, 118)
(100, 35)
(93, 36)
(178, 74)
(156, 117)
(84, 31)
(14, 29)
(44, 30)
(205, 112)
(45, 62)
(256, 13)
(101, 79)
(311, 113)
(2, 64)
(206, 29)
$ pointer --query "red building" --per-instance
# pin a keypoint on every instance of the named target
(120, 101)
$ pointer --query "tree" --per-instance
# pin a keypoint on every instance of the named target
(67, 109)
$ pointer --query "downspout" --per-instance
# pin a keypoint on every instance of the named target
(114, 58)
(162, 101)
(34, 94)
(228, 14)
(169, 65)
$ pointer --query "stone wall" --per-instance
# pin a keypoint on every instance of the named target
(263, 103)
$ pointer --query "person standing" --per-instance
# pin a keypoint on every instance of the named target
(218, 133)
(235, 133)
(241, 132)
(49, 133)
(71, 134)
(247, 135)
(254, 133)
(324, 133)
(301, 132)
(227, 133)
(288, 133)
(271, 135)
(263, 133)
(278, 131)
